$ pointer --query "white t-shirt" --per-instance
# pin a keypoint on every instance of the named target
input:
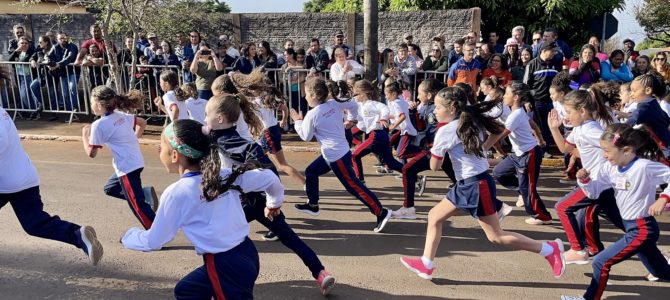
(196, 109)
(232, 52)
(170, 102)
(465, 165)
(212, 227)
(18, 172)
(116, 130)
(634, 186)
(586, 138)
(521, 134)
(665, 106)
(243, 128)
(267, 115)
(630, 107)
(370, 113)
(400, 108)
(325, 122)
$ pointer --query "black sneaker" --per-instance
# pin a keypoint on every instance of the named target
(150, 197)
(307, 208)
(270, 236)
(382, 219)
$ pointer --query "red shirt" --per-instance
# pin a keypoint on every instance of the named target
(100, 44)
(504, 77)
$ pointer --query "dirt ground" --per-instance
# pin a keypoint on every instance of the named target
(366, 265)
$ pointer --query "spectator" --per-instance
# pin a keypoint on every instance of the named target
(615, 69)
(563, 51)
(164, 56)
(19, 31)
(287, 44)
(23, 72)
(52, 37)
(248, 60)
(226, 60)
(181, 42)
(466, 69)
(153, 47)
(408, 38)
(457, 53)
(471, 37)
(518, 33)
(642, 65)
(142, 41)
(189, 53)
(339, 42)
(484, 56)
(662, 66)
(630, 53)
(537, 40)
(295, 79)
(493, 40)
(415, 52)
(595, 42)
(404, 65)
(39, 62)
(344, 69)
(228, 46)
(61, 58)
(586, 70)
(93, 63)
(440, 41)
(267, 58)
(435, 62)
(497, 66)
(360, 57)
(539, 74)
(96, 38)
(125, 58)
(513, 58)
(386, 65)
(205, 67)
(317, 58)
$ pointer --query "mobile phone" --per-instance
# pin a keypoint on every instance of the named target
(206, 52)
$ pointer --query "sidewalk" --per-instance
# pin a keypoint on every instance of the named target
(61, 131)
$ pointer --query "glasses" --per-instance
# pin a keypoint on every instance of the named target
(659, 59)
(435, 50)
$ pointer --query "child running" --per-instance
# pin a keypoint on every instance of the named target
(634, 178)
(578, 213)
(324, 121)
(119, 131)
(475, 190)
(20, 187)
(172, 103)
(399, 119)
(520, 170)
(194, 105)
(374, 116)
(644, 90)
(206, 207)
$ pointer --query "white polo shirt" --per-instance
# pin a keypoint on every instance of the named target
(520, 133)
(116, 130)
(18, 172)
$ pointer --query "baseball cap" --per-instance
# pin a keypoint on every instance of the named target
(151, 35)
(339, 33)
(511, 42)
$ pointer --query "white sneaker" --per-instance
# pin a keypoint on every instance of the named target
(398, 176)
(651, 277)
(421, 184)
(564, 297)
(534, 221)
(405, 213)
(92, 246)
(519, 202)
(503, 212)
(384, 170)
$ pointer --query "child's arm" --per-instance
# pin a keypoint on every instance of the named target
(284, 115)
(140, 125)
(174, 112)
(264, 181)
(554, 125)
(159, 103)
(494, 138)
(304, 128)
(398, 121)
(537, 132)
(659, 174)
(592, 188)
(91, 150)
(163, 229)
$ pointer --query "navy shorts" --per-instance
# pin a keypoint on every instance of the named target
(476, 195)
(271, 140)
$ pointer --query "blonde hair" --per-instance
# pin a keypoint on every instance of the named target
(110, 100)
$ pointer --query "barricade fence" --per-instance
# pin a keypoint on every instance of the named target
(38, 88)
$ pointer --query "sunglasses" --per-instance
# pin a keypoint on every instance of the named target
(659, 59)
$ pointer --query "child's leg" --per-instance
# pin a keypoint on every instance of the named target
(649, 254)
(496, 235)
(362, 150)
(566, 208)
(410, 171)
(288, 169)
(383, 149)
(317, 168)
(592, 229)
(345, 173)
(29, 209)
(505, 173)
(131, 184)
(405, 148)
(528, 184)
(113, 187)
(436, 217)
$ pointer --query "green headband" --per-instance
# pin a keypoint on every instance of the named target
(180, 146)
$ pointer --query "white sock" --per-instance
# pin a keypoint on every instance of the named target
(427, 262)
(546, 249)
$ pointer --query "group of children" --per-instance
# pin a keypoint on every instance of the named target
(221, 150)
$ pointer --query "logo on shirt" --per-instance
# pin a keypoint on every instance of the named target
(119, 122)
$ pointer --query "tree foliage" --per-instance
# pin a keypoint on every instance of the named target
(654, 17)
(570, 17)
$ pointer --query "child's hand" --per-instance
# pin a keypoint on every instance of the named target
(657, 208)
(384, 123)
(348, 124)
(158, 101)
(283, 122)
(391, 127)
(271, 213)
(553, 119)
(583, 175)
(542, 143)
(86, 131)
(295, 116)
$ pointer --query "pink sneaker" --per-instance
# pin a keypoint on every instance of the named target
(416, 265)
(555, 259)
(326, 282)
(667, 207)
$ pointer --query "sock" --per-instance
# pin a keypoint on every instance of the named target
(546, 249)
(427, 262)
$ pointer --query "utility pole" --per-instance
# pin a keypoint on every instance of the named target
(370, 29)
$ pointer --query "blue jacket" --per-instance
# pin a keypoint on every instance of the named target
(564, 52)
(189, 54)
(63, 56)
(623, 74)
(244, 65)
(649, 113)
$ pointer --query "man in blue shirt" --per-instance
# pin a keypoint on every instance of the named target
(60, 61)
(563, 51)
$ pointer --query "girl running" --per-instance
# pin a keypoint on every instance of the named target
(21, 189)
(520, 170)
(172, 103)
(194, 105)
(578, 213)
(399, 119)
(203, 204)
(475, 190)
(634, 178)
(374, 116)
(119, 131)
(324, 121)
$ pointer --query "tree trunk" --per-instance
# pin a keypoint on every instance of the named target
(370, 29)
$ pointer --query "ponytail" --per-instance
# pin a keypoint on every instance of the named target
(339, 90)
(129, 102)
(636, 137)
(581, 99)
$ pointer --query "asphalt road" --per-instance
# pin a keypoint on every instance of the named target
(366, 265)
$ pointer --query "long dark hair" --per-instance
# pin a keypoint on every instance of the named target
(583, 99)
(339, 90)
(624, 135)
(472, 118)
(110, 100)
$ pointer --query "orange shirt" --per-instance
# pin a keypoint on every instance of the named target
(504, 76)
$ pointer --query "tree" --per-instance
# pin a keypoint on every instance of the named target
(648, 43)
(570, 18)
(654, 17)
